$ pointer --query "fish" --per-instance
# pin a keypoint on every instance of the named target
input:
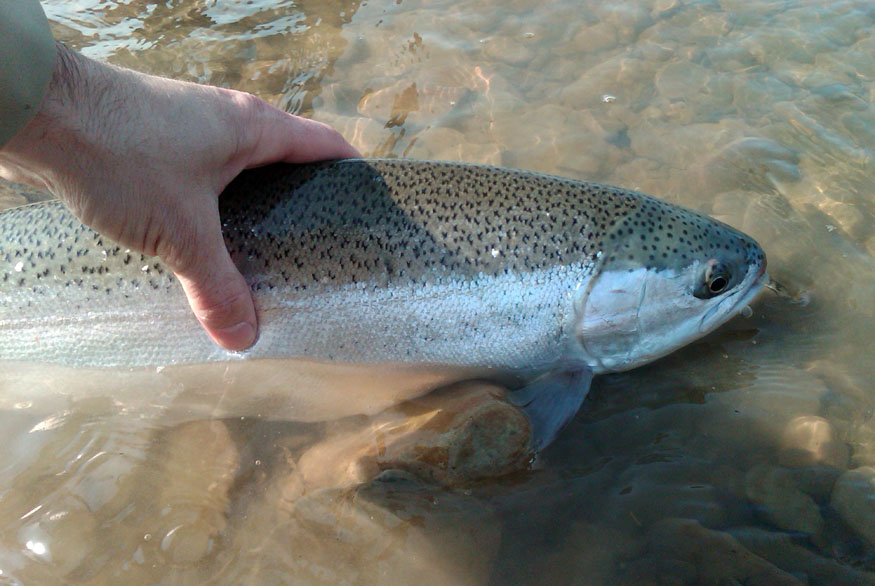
(377, 280)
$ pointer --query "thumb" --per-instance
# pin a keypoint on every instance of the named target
(216, 291)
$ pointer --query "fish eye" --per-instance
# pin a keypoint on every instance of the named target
(715, 278)
(718, 283)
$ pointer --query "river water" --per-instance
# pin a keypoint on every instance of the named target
(748, 457)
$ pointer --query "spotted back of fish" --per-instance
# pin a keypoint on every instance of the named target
(399, 221)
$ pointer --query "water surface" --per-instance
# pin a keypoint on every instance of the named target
(749, 456)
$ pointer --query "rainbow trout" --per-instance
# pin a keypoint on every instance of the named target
(401, 273)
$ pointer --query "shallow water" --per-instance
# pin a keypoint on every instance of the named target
(749, 456)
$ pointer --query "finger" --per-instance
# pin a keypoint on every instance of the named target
(218, 293)
(292, 139)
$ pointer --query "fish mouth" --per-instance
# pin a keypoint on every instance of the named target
(710, 320)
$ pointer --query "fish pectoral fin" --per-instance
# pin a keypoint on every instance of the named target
(550, 401)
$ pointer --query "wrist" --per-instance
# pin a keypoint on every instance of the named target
(60, 138)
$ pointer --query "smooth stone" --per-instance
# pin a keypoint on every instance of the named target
(597, 37)
(682, 147)
(189, 543)
(628, 18)
(64, 535)
(779, 395)
(198, 463)
(809, 440)
(860, 125)
(640, 174)
(783, 550)
(774, 491)
(730, 58)
(448, 144)
(730, 206)
(658, 572)
(816, 481)
(662, 6)
(681, 80)
(758, 92)
(849, 218)
(854, 499)
(623, 76)
(751, 164)
(512, 51)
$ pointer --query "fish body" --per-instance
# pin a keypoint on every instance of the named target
(392, 262)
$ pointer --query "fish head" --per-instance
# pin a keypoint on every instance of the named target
(665, 277)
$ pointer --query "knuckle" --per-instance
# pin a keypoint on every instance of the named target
(227, 311)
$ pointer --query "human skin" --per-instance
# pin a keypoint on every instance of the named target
(143, 159)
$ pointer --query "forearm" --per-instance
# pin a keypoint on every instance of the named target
(69, 127)
(26, 66)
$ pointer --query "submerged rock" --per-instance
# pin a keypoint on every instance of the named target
(774, 491)
(456, 436)
(811, 439)
(783, 550)
(199, 463)
(390, 531)
(753, 163)
(854, 499)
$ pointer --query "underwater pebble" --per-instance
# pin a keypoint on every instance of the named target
(730, 58)
(780, 395)
(197, 469)
(854, 499)
(774, 491)
(681, 80)
(660, 6)
(629, 19)
(681, 147)
(596, 37)
(508, 50)
(451, 437)
(816, 481)
(623, 76)
(65, 535)
(188, 543)
(783, 550)
(392, 530)
(640, 174)
(809, 439)
(16, 194)
(751, 163)
(849, 218)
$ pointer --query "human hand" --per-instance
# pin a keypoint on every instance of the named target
(143, 159)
